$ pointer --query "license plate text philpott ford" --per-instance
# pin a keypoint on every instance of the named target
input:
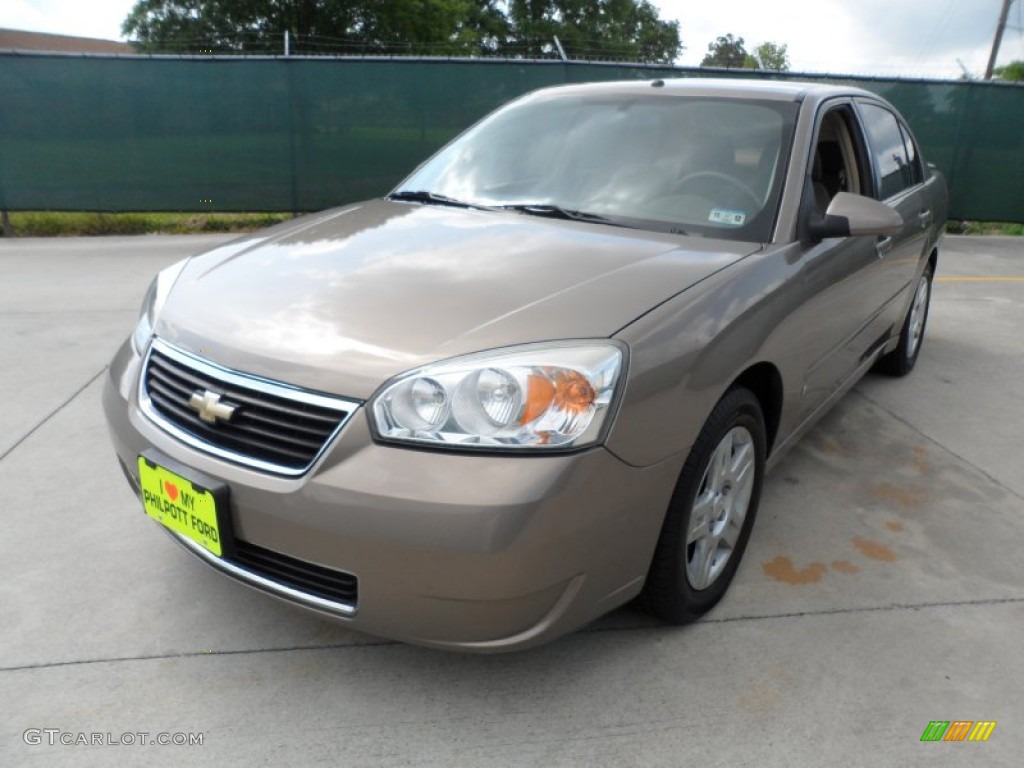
(176, 503)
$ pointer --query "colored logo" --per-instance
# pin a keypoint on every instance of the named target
(172, 490)
(958, 730)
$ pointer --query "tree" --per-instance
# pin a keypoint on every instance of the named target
(730, 52)
(443, 27)
(615, 29)
(772, 57)
(1013, 72)
(619, 29)
(727, 52)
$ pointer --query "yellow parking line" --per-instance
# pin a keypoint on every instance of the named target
(980, 279)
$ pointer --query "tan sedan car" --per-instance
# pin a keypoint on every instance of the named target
(548, 373)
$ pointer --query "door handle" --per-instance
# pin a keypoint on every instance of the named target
(925, 219)
(883, 246)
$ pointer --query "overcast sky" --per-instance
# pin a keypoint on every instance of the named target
(916, 38)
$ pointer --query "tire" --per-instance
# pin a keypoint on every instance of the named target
(901, 360)
(686, 580)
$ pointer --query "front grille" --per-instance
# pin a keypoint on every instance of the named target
(273, 426)
(336, 586)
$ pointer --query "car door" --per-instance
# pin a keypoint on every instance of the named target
(899, 177)
(841, 276)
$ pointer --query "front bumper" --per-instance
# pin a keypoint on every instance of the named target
(459, 551)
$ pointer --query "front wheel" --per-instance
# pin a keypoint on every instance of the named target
(901, 360)
(711, 512)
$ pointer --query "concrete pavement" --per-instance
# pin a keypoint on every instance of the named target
(883, 587)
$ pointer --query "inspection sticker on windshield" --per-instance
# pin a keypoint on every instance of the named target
(725, 216)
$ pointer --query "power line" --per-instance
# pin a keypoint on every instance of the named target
(938, 30)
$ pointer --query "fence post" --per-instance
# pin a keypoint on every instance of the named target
(8, 229)
(293, 107)
(561, 50)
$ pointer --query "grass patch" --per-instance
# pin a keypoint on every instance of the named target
(984, 228)
(77, 224)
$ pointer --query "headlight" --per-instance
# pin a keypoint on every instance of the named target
(539, 396)
(153, 302)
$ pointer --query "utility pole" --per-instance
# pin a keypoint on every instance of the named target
(1000, 28)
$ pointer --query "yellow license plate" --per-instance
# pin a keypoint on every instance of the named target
(177, 503)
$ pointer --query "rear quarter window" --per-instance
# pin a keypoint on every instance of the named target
(916, 165)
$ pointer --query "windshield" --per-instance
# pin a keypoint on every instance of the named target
(706, 166)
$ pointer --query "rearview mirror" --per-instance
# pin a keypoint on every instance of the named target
(850, 214)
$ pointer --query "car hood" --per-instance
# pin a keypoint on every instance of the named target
(342, 301)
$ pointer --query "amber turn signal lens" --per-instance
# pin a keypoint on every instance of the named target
(539, 394)
(573, 392)
(567, 391)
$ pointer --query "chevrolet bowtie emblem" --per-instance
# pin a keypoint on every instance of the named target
(209, 407)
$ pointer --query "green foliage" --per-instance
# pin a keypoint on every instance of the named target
(443, 27)
(727, 52)
(615, 29)
(731, 52)
(771, 56)
(954, 227)
(74, 224)
(1012, 72)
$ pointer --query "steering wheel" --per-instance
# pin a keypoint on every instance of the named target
(731, 181)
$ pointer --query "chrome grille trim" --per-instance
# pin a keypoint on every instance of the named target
(307, 578)
(268, 585)
(307, 448)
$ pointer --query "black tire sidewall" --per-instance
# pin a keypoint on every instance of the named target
(898, 362)
(911, 360)
(677, 601)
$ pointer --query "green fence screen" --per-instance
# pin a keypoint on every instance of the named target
(139, 133)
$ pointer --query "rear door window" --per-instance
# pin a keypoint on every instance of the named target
(892, 163)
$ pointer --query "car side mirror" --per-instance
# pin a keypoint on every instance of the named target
(850, 214)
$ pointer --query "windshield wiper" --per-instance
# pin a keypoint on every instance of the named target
(533, 209)
(558, 212)
(555, 212)
(429, 198)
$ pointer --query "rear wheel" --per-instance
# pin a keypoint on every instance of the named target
(901, 360)
(711, 512)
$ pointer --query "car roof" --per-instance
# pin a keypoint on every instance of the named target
(736, 88)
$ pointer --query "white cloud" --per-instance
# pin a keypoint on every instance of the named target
(920, 38)
(84, 18)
